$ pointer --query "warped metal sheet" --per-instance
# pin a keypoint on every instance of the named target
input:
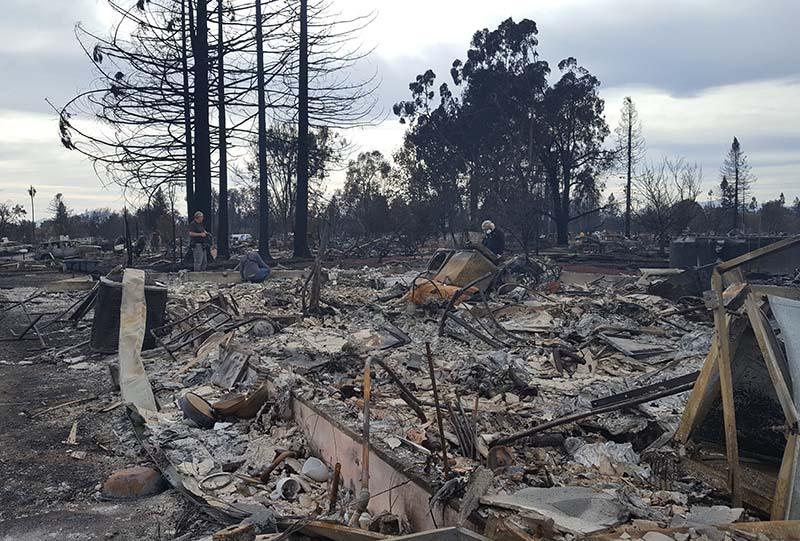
(787, 314)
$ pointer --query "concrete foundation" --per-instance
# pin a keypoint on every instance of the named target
(391, 487)
(225, 277)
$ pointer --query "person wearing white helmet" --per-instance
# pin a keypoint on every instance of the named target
(493, 239)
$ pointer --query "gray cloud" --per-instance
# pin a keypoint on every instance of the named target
(679, 47)
(683, 48)
(39, 56)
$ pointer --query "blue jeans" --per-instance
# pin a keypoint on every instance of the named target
(259, 276)
(199, 255)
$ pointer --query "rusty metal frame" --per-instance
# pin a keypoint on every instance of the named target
(183, 339)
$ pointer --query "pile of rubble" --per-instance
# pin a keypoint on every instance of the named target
(528, 409)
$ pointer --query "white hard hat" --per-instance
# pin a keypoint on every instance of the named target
(487, 224)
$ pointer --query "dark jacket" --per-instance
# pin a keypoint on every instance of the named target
(495, 240)
(195, 227)
(249, 264)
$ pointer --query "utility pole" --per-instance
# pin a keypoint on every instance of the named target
(222, 224)
(32, 193)
(263, 195)
(301, 208)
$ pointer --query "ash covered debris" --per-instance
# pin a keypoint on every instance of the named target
(568, 392)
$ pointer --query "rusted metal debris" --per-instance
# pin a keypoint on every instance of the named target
(277, 461)
(442, 439)
(192, 328)
(681, 388)
(405, 392)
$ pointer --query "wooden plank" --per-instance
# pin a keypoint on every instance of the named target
(333, 531)
(701, 399)
(757, 491)
(773, 357)
(787, 530)
(786, 477)
(726, 388)
(502, 528)
(758, 254)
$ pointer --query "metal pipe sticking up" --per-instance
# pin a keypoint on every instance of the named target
(363, 496)
(277, 461)
(445, 465)
(334, 496)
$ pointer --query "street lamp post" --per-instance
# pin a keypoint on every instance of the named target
(32, 193)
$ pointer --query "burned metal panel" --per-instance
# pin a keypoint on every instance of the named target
(463, 267)
(787, 314)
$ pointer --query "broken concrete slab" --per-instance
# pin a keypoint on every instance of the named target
(657, 536)
(575, 510)
(715, 515)
(634, 348)
(79, 283)
(229, 277)
(540, 321)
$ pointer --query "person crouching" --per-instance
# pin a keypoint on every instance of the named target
(252, 268)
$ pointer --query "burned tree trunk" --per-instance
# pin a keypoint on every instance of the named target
(263, 194)
(301, 206)
(202, 186)
(222, 224)
(187, 108)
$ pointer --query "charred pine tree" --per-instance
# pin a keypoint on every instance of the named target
(631, 150)
(202, 137)
(142, 89)
(186, 12)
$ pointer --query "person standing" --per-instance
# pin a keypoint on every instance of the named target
(197, 241)
(155, 241)
(494, 239)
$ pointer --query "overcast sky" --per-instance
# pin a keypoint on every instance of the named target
(699, 71)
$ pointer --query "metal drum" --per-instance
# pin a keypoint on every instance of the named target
(105, 327)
